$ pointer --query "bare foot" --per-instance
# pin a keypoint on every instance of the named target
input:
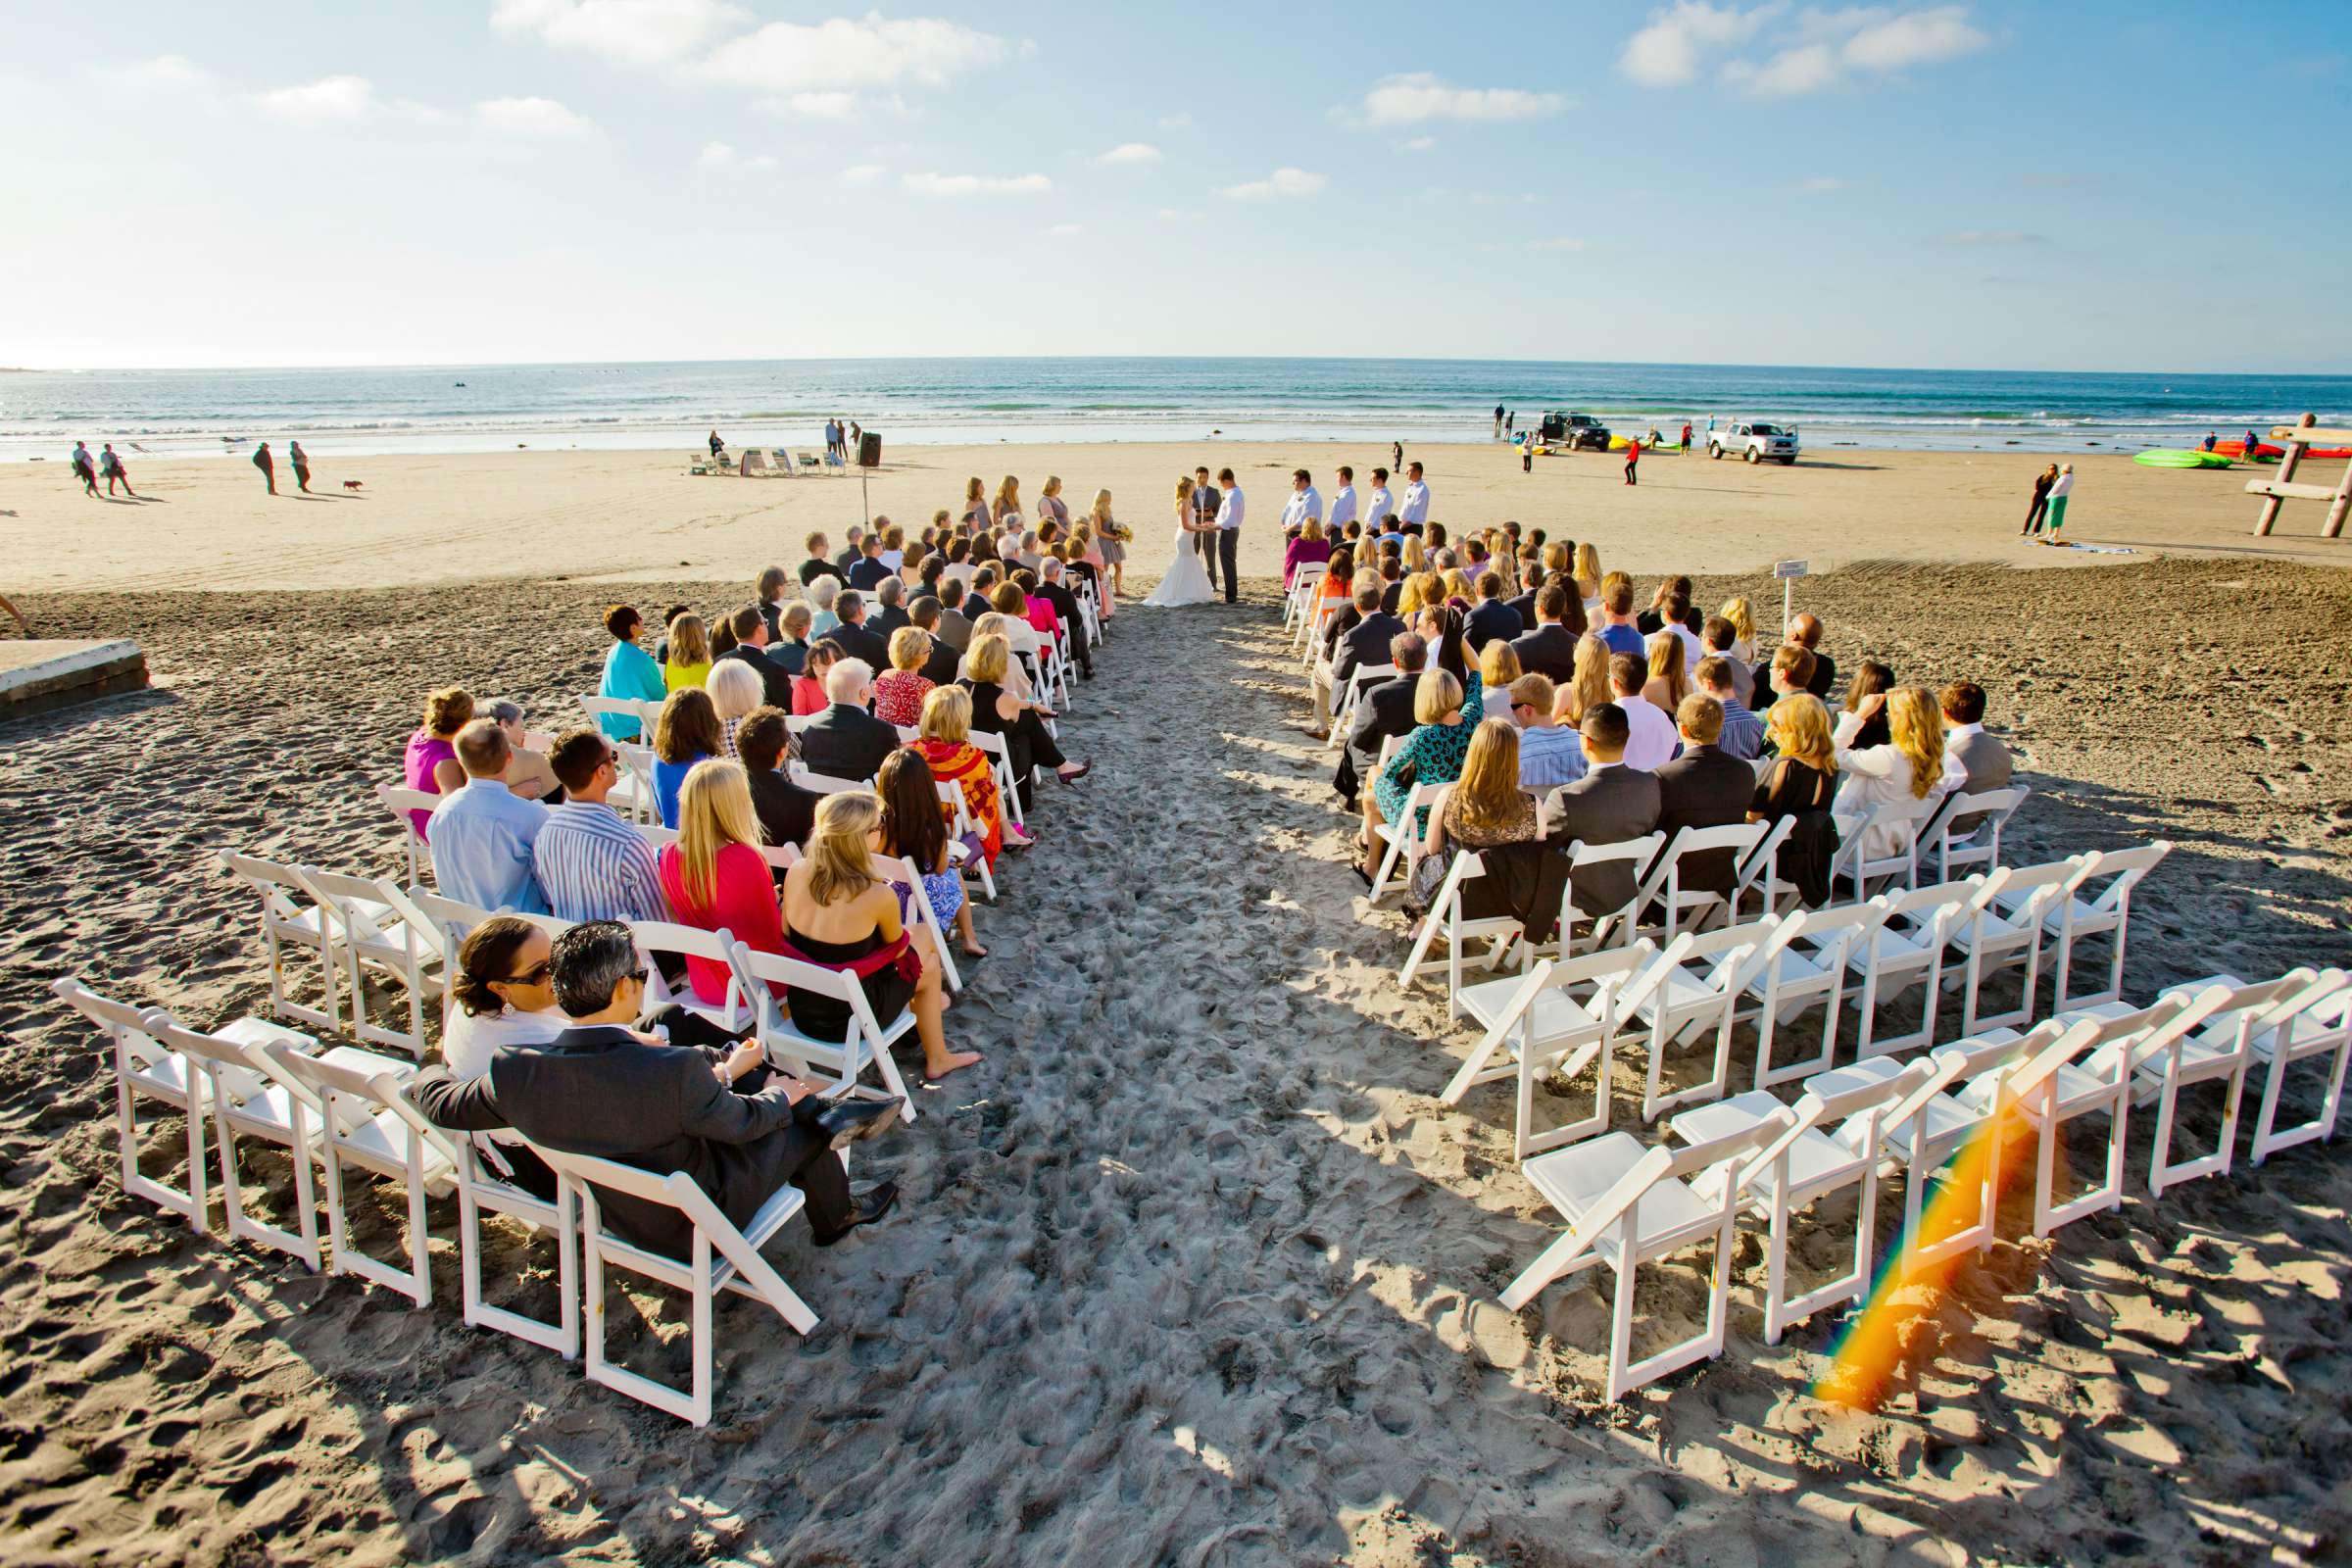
(957, 1062)
(972, 950)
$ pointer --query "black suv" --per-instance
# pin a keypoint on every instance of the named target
(1578, 432)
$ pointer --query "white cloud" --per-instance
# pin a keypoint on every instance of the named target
(1417, 144)
(840, 54)
(1556, 244)
(1669, 51)
(862, 173)
(1131, 152)
(530, 117)
(1179, 120)
(1181, 214)
(1282, 182)
(1919, 38)
(823, 105)
(165, 70)
(633, 32)
(716, 155)
(1417, 96)
(1990, 236)
(1828, 45)
(1823, 184)
(1068, 229)
(1808, 68)
(329, 99)
(976, 184)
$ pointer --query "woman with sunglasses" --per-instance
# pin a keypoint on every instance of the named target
(504, 994)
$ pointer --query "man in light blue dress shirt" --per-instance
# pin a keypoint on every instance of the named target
(482, 835)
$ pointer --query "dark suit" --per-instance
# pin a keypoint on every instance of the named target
(1492, 618)
(787, 813)
(1384, 710)
(1342, 621)
(1550, 649)
(776, 681)
(1390, 595)
(1365, 643)
(847, 743)
(1704, 787)
(858, 643)
(1524, 607)
(790, 656)
(1610, 804)
(867, 571)
(887, 619)
(596, 1090)
(941, 664)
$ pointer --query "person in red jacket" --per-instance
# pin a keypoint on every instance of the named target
(1633, 454)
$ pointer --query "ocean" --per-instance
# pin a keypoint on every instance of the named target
(488, 407)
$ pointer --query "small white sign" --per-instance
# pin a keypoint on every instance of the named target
(1791, 569)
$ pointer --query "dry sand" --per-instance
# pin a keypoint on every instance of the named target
(1195, 1270)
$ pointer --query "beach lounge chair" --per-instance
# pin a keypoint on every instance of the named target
(145, 1066)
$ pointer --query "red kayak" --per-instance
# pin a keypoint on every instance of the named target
(2264, 452)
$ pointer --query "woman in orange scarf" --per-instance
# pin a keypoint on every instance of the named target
(943, 739)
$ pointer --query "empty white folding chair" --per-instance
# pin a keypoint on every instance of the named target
(403, 802)
(365, 1122)
(1832, 1144)
(2219, 1050)
(2007, 930)
(1611, 928)
(1446, 920)
(2098, 902)
(292, 915)
(1683, 906)
(1802, 967)
(371, 931)
(484, 1188)
(1627, 1205)
(249, 1102)
(2322, 1030)
(1754, 875)
(1965, 835)
(1698, 995)
(1407, 838)
(655, 937)
(1907, 949)
(633, 797)
(737, 1267)
(1542, 1027)
(867, 1038)
(145, 1065)
(827, 783)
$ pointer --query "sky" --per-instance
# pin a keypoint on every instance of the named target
(2082, 186)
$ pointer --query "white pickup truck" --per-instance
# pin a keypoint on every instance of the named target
(1754, 441)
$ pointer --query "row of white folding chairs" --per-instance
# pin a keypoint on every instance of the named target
(259, 1082)
(1625, 1206)
(1350, 693)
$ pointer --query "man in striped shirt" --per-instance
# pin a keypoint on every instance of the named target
(591, 865)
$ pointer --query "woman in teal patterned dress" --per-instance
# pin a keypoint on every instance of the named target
(1432, 755)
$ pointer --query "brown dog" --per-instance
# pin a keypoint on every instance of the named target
(351, 484)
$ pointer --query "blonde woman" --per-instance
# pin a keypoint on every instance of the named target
(1912, 767)
(1007, 508)
(1114, 541)
(735, 689)
(1187, 580)
(1556, 559)
(1416, 556)
(1432, 755)
(1743, 630)
(975, 502)
(713, 874)
(1588, 577)
(945, 744)
(1457, 586)
(1498, 665)
(1485, 806)
(689, 661)
(1669, 683)
(1410, 600)
(838, 914)
(1801, 782)
(1588, 685)
(1017, 720)
(1051, 506)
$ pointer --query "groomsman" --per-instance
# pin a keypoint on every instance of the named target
(1229, 530)
(1415, 512)
(1343, 505)
(1305, 503)
(1379, 503)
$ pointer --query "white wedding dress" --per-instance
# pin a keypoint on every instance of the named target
(1187, 581)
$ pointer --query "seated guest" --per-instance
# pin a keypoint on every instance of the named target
(1549, 753)
(1532, 588)
(1789, 670)
(1028, 744)
(1612, 803)
(1384, 710)
(1062, 603)
(1743, 646)
(1805, 631)
(941, 661)
(899, 695)
(808, 686)
(689, 662)
(590, 863)
(1485, 806)
(1912, 766)
(1651, 739)
(1392, 581)
(786, 811)
(1743, 734)
(1660, 614)
(1680, 625)
(687, 733)
(1551, 649)
(1364, 644)
(869, 568)
(506, 1000)
(853, 637)
(1983, 757)
(894, 545)
(954, 626)
(945, 744)
(1497, 668)
(1440, 626)
(754, 652)
(1668, 680)
(849, 557)
(1020, 601)
(1617, 616)
(632, 674)
(1019, 632)
(979, 598)
(823, 595)
(913, 831)
(767, 597)
(1339, 578)
(1801, 782)
(716, 1113)
(1492, 618)
(1723, 642)
(1015, 633)
(1431, 755)
(1704, 787)
(789, 650)
(528, 777)
(714, 876)
(1871, 680)
(482, 835)
(838, 914)
(734, 689)
(845, 741)
(431, 761)
(891, 615)
(819, 564)
(1308, 546)
(1588, 687)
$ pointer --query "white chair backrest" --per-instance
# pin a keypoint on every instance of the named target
(825, 784)
(2121, 870)
(655, 937)
(656, 834)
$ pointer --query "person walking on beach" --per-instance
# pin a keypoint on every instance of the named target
(2059, 489)
(1526, 457)
(2209, 442)
(1633, 457)
(1510, 422)
(84, 470)
(1685, 436)
(1497, 422)
(2041, 498)
(112, 466)
(2252, 447)
(302, 466)
(269, 467)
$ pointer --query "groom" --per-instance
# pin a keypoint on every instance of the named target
(1229, 535)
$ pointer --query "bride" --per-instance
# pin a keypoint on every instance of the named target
(1187, 581)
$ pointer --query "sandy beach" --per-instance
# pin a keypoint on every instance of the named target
(637, 516)
(1197, 1269)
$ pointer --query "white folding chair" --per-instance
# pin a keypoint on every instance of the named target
(1898, 859)
(1693, 907)
(1000, 757)
(2323, 1028)
(2006, 930)
(1407, 838)
(1344, 701)
(291, 915)
(1965, 835)
(738, 1267)
(1802, 964)
(633, 797)
(1548, 1032)
(1806, 1162)
(1754, 873)
(371, 931)
(247, 1102)
(655, 937)
(1627, 1205)
(2220, 1051)
(1906, 949)
(365, 1122)
(827, 783)
(401, 802)
(2106, 912)
(903, 874)
(867, 1041)
(1612, 927)
(145, 1065)
(1698, 995)
(1445, 919)
(626, 708)
(951, 793)
(481, 1191)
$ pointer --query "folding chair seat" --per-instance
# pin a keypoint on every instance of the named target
(738, 1267)
(249, 1101)
(760, 976)
(365, 1122)
(1965, 834)
(2322, 1028)
(1541, 1027)
(371, 930)
(1803, 964)
(2007, 930)
(1627, 1205)
(1907, 949)
(403, 802)
(1698, 993)
(655, 937)
(145, 1065)
(1407, 838)
(827, 783)
(1807, 1161)
(2105, 911)
(292, 915)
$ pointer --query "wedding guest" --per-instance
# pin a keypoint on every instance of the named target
(1982, 756)
(1612, 803)
(1791, 670)
(1020, 723)
(1804, 630)
(1617, 618)
(818, 564)
(1704, 787)
(1486, 806)
(1550, 754)
(954, 626)
(853, 637)
(735, 690)
(1530, 577)
(1912, 765)
(528, 775)
(1658, 615)
(1365, 643)
(838, 914)
(868, 571)
(713, 874)
(1650, 738)
(1493, 619)
(1384, 710)
(1742, 647)
(823, 595)
(912, 831)
(1871, 680)
(1551, 649)
(1743, 734)
(890, 613)
(590, 863)
(1497, 668)
(688, 664)
(808, 686)
(1432, 755)
(1721, 642)
(1057, 600)
(505, 997)
(1801, 782)
(845, 741)
(786, 811)
(1114, 543)
(1588, 686)
(789, 650)
(899, 696)
(687, 733)
(1440, 626)
(481, 834)
(630, 672)
(430, 762)
(1586, 575)
(1667, 683)
(943, 741)
(767, 597)
(941, 662)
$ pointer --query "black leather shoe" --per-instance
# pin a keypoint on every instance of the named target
(879, 1199)
(848, 1121)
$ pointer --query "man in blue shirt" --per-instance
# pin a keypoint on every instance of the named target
(1742, 731)
(1550, 754)
(482, 835)
(1617, 627)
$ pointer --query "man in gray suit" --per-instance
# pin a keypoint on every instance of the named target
(1610, 803)
(1704, 787)
(1987, 760)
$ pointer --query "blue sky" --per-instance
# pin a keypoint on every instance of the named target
(2077, 186)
